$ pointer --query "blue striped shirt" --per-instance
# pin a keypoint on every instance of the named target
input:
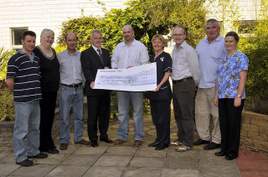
(26, 74)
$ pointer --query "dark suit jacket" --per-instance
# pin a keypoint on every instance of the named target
(91, 62)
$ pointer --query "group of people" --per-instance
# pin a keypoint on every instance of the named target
(208, 82)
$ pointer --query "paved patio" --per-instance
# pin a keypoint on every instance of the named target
(120, 161)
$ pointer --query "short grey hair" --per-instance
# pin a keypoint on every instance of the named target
(45, 31)
(95, 31)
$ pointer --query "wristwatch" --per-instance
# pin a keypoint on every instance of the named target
(238, 96)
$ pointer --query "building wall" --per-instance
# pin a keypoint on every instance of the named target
(39, 14)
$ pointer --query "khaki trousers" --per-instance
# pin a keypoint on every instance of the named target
(205, 110)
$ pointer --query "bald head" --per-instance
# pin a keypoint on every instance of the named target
(71, 41)
(128, 33)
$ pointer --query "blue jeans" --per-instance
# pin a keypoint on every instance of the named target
(124, 99)
(71, 98)
(26, 129)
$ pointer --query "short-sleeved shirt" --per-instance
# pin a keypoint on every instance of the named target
(163, 65)
(229, 75)
(210, 55)
(26, 74)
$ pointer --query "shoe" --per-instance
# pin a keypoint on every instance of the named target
(161, 147)
(200, 142)
(83, 142)
(138, 143)
(106, 140)
(25, 163)
(119, 142)
(220, 153)
(183, 148)
(211, 146)
(94, 143)
(153, 144)
(176, 143)
(63, 146)
(41, 155)
(230, 157)
(53, 151)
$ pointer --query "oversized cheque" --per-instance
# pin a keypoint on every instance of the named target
(137, 78)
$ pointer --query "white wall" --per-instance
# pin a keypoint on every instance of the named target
(39, 14)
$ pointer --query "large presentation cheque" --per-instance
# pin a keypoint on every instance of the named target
(137, 78)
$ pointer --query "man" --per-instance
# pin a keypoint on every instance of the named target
(98, 101)
(210, 53)
(23, 78)
(127, 54)
(70, 92)
(185, 77)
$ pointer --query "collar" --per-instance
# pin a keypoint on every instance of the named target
(219, 38)
(24, 53)
(73, 54)
(134, 40)
(95, 48)
(183, 45)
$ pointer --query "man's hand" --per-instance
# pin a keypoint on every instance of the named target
(92, 84)
(10, 84)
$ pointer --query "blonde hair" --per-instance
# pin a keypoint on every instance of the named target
(161, 38)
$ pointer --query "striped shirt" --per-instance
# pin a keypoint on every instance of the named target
(26, 74)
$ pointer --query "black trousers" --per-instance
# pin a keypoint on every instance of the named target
(98, 116)
(184, 103)
(230, 125)
(47, 109)
(160, 110)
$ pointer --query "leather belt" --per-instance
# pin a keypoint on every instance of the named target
(182, 80)
(72, 85)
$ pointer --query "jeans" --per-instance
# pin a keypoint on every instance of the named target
(26, 129)
(71, 98)
(124, 99)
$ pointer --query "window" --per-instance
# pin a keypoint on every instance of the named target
(16, 34)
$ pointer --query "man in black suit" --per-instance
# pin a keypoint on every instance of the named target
(98, 101)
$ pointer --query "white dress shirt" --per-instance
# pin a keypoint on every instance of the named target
(125, 56)
(185, 63)
(70, 68)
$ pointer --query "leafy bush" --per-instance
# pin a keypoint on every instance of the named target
(4, 57)
(6, 104)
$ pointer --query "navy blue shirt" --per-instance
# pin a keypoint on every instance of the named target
(163, 65)
(26, 74)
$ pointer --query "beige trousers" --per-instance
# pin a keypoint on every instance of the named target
(205, 110)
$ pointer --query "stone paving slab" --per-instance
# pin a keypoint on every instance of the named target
(121, 150)
(68, 171)
(6, 169)
(179, 173)
(150, 152)
(147, 162)
(141, 172)
(86, 150)
(113, 161)
(104, 172)
(81, 160)
(34, 171)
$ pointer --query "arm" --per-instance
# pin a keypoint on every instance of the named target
(241, 87)
(144, 58)
(115, 57)
(12, 68)
(164, 79)
(194, 66)
(10, 83)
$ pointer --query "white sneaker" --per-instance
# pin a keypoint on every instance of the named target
(183, 148)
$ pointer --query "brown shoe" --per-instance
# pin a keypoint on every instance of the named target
(83, 142)
(63, 146)
(138, 143)
(119, 141)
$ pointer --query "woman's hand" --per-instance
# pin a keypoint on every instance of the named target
(215, 100)
(157, 88)
(237, 102)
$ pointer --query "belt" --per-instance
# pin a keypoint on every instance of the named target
(72, 85)
(182, 80)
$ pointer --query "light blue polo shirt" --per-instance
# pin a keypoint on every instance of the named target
(210, 55)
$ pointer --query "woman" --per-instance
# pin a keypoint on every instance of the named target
(50, 76)
(232, 74)
(161, 97)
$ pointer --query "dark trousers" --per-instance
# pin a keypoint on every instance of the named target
(230, 124)
(98, 116)
(47, 109)
(183, 102)
(160, 110)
